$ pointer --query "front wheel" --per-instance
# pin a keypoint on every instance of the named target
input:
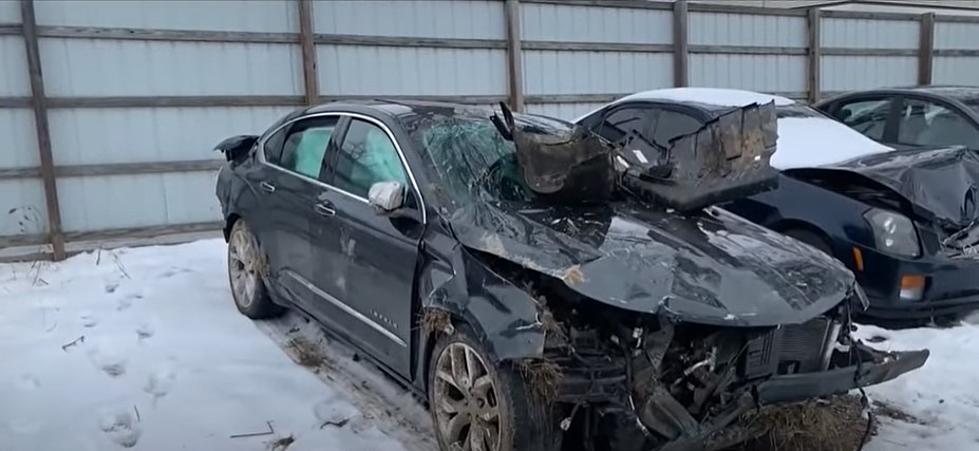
(479, 405)
(245, 269)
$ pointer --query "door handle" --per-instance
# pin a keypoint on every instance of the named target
(324, 209)
(267, 187)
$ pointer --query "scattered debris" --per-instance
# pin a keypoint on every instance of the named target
(271, 431)
(814, 425)
(543, 374)
(338, 423)
(877, 339)
(138, 419)
(74, 342)
(305, 352)
(281, 444)
(573, 275)
(437, 320)
(887, 410)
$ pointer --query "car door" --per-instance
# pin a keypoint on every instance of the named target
(373, 275)
(293, 218)
(873, 116)
(930, 122)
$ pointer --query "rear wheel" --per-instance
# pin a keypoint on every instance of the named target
(245, 269)
(479, 405)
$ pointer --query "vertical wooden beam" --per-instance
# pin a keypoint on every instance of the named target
(306, 40)
(514, 55)
(680, 44)
(39, 103)
(926, 48)
(814, 63)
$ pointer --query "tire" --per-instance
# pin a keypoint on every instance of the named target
(248, 287)
(522, 421)
(812, 239)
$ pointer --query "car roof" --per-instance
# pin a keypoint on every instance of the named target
(960, 93)
(708, 98)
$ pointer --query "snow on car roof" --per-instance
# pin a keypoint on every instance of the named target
(709, 96)
(804, 141)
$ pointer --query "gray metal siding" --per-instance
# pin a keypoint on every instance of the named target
(954, 35)
(953, 70)
(581, 72)
(22, 210)
(869, 33)
(742, 29)
(845, 73)
(577, 23)
(430, 19)
(566, 111)
(766, 73)
(215, 15)
(13, 69)
(18, 146)
(9, 12)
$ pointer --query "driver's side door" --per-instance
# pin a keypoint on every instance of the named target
(373, 274)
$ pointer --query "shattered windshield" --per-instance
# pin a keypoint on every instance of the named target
(473, 160)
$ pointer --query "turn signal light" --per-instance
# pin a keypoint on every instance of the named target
(858, 258)
(912, 287)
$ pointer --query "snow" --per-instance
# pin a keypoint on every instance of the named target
(709, 96)
(805, 142)
(144, 348)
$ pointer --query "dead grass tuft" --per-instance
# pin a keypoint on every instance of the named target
(542, 375)
(437, 320)
(305, 352)
(815, 425)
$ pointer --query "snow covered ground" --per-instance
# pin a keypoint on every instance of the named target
(143, 348)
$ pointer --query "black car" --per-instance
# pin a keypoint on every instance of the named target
(903, 221)
(494, 265)
(929, 116)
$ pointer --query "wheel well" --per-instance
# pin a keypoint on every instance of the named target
(228, 224)
(785, 227)
(436, 322)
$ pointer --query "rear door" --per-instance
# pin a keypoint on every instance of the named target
(930, 122)
(373, 274)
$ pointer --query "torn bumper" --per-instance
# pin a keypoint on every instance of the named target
(800, 387)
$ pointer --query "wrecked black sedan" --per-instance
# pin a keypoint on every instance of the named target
(532, 283)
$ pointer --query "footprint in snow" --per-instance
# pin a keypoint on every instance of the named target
(160, 382)
(111, 287)
(124, 304)
(336, 413)
(144, 331)
(88, 319)
(121, 427)
(109, 361)
(28, 382)
(173, 271)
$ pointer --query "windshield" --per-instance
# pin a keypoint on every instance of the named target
(807, 138)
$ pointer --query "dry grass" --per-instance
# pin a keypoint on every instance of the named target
(437, 320)
(305, 352)
(543, 376)
(816, 425)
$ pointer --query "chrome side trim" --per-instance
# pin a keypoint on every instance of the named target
(404, 161)
(346, 308)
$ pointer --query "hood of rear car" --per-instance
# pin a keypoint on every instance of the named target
(709, 267)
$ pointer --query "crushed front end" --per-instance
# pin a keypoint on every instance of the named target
(642, 382)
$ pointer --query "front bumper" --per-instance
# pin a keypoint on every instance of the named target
(800, 387)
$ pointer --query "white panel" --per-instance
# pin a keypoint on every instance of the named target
(433, 19)
(364, 70)
(766, 73)
(870, 34)
(546, 22)
(566, 111)
(221, 15)
(569, 72)
(128, 135)
(742, 29)
(13, 67)
(95, 203)
(844, 73)
(22, 207)
(18, 145)
(9, 11)
(106, 67)
(956, 71)
(954, 35)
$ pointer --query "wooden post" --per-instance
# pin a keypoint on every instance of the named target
(39, 103)
(514, 55)
(680, 44)
(926, 48)
(306, 40)
(815, 55)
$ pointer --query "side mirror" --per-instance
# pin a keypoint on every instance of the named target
(236, 147)
(386, 196)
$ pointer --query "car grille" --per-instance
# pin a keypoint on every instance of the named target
(787, 350)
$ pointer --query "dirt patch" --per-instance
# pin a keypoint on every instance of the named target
(886, 410)
(815, 425)
(437, 320)
(305, 352)
(542, 375)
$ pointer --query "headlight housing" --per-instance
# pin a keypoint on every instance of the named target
(893, 232)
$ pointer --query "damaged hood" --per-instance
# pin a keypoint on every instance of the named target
(939, 183)
(711, 267)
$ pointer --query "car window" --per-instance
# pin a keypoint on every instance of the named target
(927, 123)
(867, 116)
(367, 156)
(625, 120)
(305, 146)
(672, 124)
(273, 146)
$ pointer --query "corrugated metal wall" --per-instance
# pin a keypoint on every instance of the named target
(105, 86)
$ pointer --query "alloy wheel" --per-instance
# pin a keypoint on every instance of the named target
(242, 257)
(466, 407)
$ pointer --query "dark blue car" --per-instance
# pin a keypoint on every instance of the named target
(904, 221)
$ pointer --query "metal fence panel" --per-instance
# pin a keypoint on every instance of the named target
(364, 70)
(432, 19)
(134, 135)
(549, 22)
(743, 29)
(582, 72)
(215, 15)
(13, 67)
(105, 67)
(846, 73)
(956, 35)
(18, 145)
(954, 70)
(566, 111)
(9, 12)
(22, 210)
(767, 73)
(870, 33)
(124, 201)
